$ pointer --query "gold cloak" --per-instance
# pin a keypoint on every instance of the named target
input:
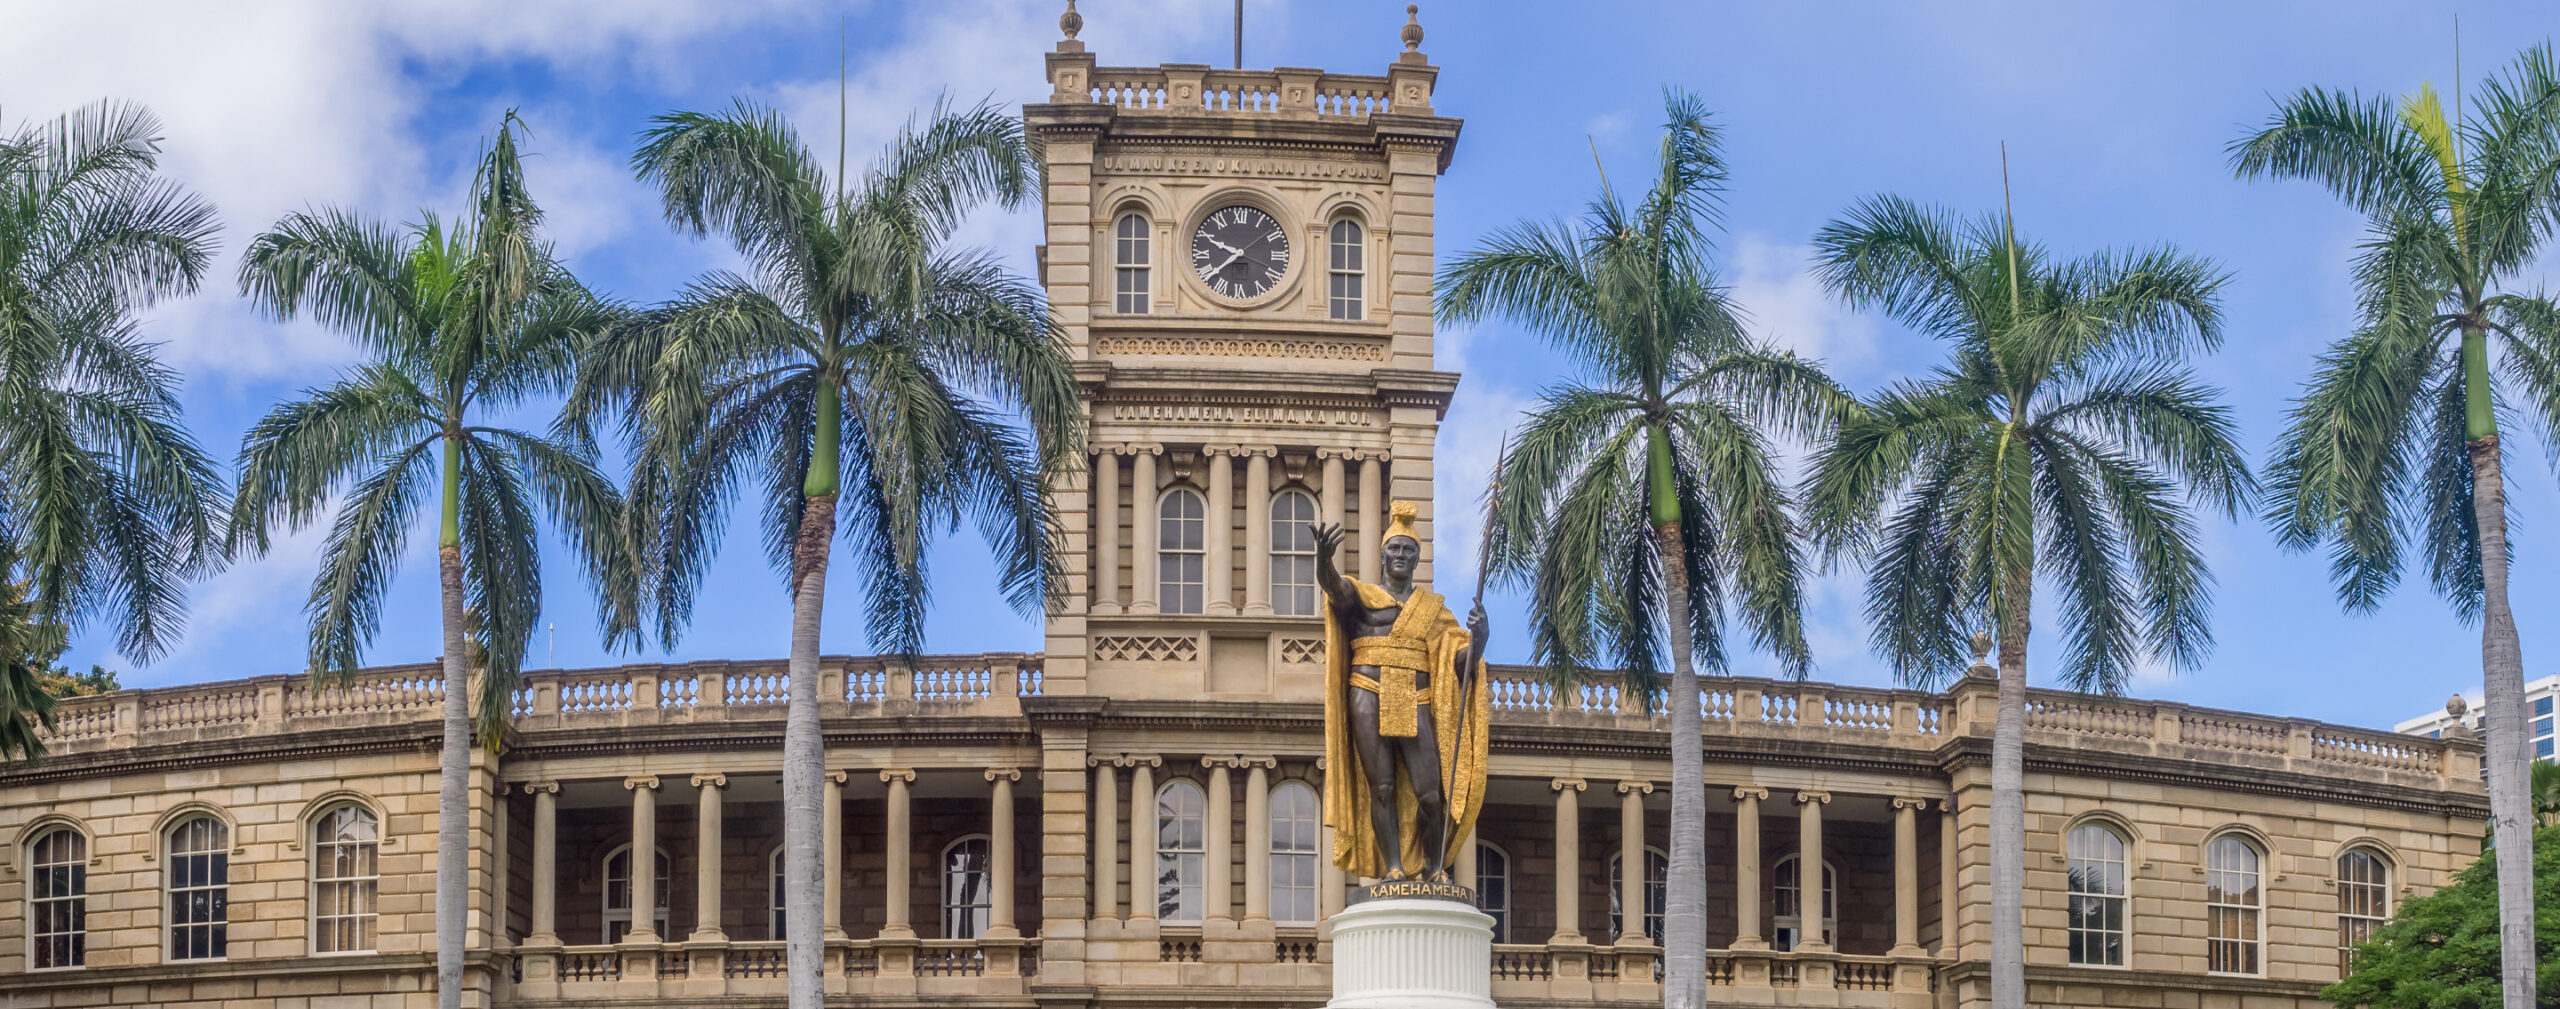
(1462, 758)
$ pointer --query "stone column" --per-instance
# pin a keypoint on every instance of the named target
(1000, 852)
(1631, 862)
(1218, 584)
(706, 858)
(546, 855)
(1906, 876)
(499, 858)
(1948, 945)
(1142, 535)
(1568, 862)
(1373, 517)
(1257, 833)
(1746, 868)
(1257, 532)
(1809, 869)
(1106, 839)
(831, 860)
(901, 835)
(1329, 496)
(644, 858)
(1218, 892)
(1106, 533)
(1142, 839)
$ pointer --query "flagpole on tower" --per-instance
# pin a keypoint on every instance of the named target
(1239, 34)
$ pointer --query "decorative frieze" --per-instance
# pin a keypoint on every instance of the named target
(1258, 346)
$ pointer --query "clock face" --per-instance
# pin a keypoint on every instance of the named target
(1239, 251)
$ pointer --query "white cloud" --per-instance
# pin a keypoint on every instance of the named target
(1462, 466)
(1774, 283)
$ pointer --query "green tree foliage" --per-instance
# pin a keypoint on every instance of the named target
(28, 645)
(2440, 951)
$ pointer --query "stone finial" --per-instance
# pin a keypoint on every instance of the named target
(1981, 647)
(2456, 706)
(1071, 22)
(1412, 26)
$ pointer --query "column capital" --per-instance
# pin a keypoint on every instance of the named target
(1805, 795)
(1753, 792)
(1006, 773)
(712, 779)
(498, 789)
(1907, 802)
(1264, 451)
(1635, 787)
(904, 774)
(838, 775)
(533, 787)
(640, 781)
(1946, 804)
(1239, 762)
(1142, 448)
(1560, 784)
(1227, 451)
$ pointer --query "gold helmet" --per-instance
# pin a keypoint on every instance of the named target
(1400, 516)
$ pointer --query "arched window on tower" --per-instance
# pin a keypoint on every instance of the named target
(1182, 547)
(1293, 554)
(1344, 271)
(1130, 264)
(1297, 832)
(1182, 845)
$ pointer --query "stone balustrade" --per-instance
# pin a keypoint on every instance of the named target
(683, 971)
(1285, 92)
(993, 685)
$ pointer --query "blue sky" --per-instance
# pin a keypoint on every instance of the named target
(2115, 118)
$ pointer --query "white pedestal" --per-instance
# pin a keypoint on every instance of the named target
(1411, 953)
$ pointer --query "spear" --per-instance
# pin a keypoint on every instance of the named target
(1475, 649)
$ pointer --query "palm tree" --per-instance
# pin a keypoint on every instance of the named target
(2397, 432)
(2061, 436)
(28, 644)
(2545, 787)
(1646, 493)
(459, 323)
(113, 506)
(866, 370)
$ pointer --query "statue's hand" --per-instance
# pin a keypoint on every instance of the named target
(1478, 627)
(1328, 538)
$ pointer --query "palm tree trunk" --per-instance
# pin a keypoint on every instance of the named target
(804, 759)
(2502, 668)
(453, 799)
(1684, 911)
(2009, 802)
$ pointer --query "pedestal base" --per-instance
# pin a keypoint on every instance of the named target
(1412, 953)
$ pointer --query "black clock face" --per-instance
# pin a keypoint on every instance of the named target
(1239, 251)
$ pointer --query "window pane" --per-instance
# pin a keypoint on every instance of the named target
(1130, 265)
(343, 880)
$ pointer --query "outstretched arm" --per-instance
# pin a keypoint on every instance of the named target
(1337, 590)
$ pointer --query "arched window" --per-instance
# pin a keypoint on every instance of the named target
(775, 928)
(199, 881)
(1786, 892)
(2232, 902)
(1343, 270)
(1493, 888)
(2096, 863)
(617, 895)
(1130, 262)
(1297, 831)
(2364, 900)
(1182, 845)
(346, 845)
(1181, 551)
(968, 887)
(58, 899)
(1656, 866)
(1293, 554)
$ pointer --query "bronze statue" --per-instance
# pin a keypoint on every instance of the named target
(1406, 713)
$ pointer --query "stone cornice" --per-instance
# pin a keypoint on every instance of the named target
(1963, 752)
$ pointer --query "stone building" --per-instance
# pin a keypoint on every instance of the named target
(1243, 263)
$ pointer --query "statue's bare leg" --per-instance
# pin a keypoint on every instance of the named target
(1422, 764)
(1377, 763)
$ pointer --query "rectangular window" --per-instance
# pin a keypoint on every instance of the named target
(1293, 554)
(2096, 902)
(2232, 905)
(199, 890)
(1181, 553)
(2542, 747)
(344, 878)
(58, 899)
(2542, 726)
(2542, 705)
(1182, 845)
(1130, 265)
(1343, 273)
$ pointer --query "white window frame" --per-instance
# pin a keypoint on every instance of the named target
(1297, 839)
(2235, 906)
(1171, 557)
(1182, 860)
(1132, 263)
(1787, 930)
(1346, 262)
(2099, 880)
(1493, 887)
(1293, 553)
(1657, 866)
(954, 907)
(365, 885)
(2364, 904)
(775, 914)
(45, 859)
(181, 881)
(622, 915)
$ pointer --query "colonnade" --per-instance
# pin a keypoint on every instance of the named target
(1218, 483)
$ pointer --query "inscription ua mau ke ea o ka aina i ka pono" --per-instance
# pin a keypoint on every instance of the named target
(1258, 168)
(1222, 413)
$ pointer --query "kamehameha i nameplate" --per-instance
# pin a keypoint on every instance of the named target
(1414, 889)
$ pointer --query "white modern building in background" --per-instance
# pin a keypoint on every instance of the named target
(2539, 694)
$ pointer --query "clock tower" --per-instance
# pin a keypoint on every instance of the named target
(1242, 264)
